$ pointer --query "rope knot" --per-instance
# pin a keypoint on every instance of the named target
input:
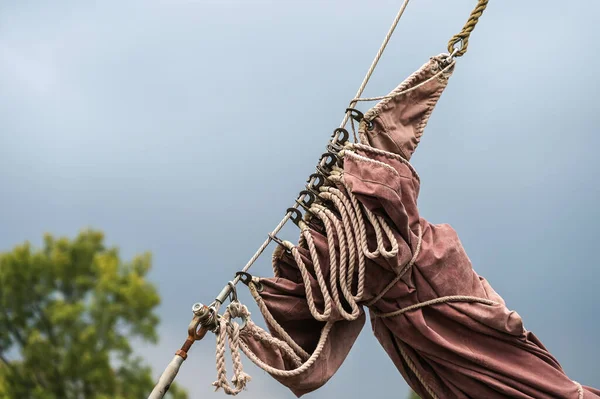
(236, 309)
(240, 381)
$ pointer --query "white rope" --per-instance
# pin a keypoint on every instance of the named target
(444, 299)
(371, 69)
(406, 91)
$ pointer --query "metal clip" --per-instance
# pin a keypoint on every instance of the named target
(196, 331)
(306, 204)
(334, 147)
(245, 277)
(317, 182)
(326, 162)
(323, 171)
(344, 132)
(296, 215)
(355, 114)
(276, 239)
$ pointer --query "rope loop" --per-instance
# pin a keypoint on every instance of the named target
(459, 43)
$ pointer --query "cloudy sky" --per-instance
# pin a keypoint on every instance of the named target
(186, 128)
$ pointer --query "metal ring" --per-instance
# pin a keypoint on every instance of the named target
(243, 323)
(233, 293)
(455, 49)
(370, 125)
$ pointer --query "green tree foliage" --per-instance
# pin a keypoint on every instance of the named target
(67, 314)
(413, 395)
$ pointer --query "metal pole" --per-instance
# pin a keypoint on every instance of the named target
(166, 379)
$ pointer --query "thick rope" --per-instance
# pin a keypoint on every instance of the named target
(252, 330)
(332, 223)
(351, 226)
(240, 379)
(341, 272)
(273, 323)
(306, 277)
(294, 372)
(463, 36)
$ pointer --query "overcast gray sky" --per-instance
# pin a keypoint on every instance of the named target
(187, 127)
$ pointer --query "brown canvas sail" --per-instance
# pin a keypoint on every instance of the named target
(364, 245)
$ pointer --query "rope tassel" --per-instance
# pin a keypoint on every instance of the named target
(230, 329)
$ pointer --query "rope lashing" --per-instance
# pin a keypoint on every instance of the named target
(345, 222)
(462, 38)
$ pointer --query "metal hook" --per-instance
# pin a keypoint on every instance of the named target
(311, 199)
(333, 158)
(276, 239)
(306, 208)
(296, 215)
(314, 192)
(344, 132)
(317, 182)
(279, 241)
(245, 277)
(355, 114)
(323, 171)
(334, 147)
